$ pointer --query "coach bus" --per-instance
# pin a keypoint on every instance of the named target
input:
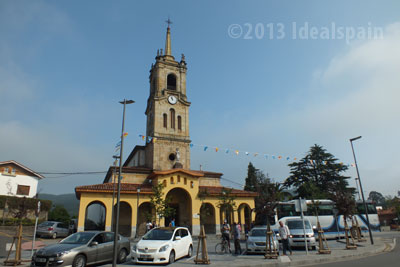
(331, 222)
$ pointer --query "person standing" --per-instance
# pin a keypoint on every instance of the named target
(284, 233)
(236, 238)
(225, 230)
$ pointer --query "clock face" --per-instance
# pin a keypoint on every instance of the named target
(172, 99)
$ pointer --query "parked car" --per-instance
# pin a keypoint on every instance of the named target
(163, 245)
(52, 229)
(296, 239)
(256, 240)
(82, 248)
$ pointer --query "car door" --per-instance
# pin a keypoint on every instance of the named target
(178, 244)
(109, 245)
(63, 229)
(100, 247)
(185, 240)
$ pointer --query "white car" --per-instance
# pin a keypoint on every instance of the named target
(256, 240)
(163, 245)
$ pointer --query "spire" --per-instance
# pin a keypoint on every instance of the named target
(168, 40)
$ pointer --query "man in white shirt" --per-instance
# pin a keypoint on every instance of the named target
(284, 233)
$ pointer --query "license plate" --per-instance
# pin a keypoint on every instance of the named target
(41, 259)
(144, 256)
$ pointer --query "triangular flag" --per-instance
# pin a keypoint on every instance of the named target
(191, 145)
(237, 152)
(205, 148)
(118, 144)
(216, 149)
(279, 157)
(247, 153)
(143, 137)
(227, 151)
(154, 140)
(273, 157)
(125, 134)
(266, 156)
(255, 154)
(287, 158)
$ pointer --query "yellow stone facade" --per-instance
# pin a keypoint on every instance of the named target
(194, 195)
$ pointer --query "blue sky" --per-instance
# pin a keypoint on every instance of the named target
(64, 65)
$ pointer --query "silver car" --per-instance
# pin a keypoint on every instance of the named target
(256, 240)
(82, 248)
(52, 229)
(297, 233)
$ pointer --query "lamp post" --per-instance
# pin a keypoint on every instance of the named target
(125, 102)
(137, 212)
(361, 189)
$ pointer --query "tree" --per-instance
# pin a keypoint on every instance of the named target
(160, 203)
(318, 174)
(227, 203)
(377, 197)
(251, 179)
(59, 213)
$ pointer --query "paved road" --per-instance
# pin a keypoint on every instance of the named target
(389, 259)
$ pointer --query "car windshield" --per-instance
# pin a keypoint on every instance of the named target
(46, 224)
(78, 238)
(159, 234)
(258, 232)
(298, 224)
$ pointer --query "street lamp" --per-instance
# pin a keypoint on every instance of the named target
(361, 189)
(125, 102)
(137, 212)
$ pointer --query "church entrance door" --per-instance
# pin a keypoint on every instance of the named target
(181, 202)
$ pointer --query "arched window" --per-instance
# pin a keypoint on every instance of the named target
(165, 120)
(179, 123)
(172, 179)
(172, 114)
(171, 82)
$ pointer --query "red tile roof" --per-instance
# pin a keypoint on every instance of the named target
(126, 188)
(217, 191)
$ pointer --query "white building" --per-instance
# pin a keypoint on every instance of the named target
(18, 180)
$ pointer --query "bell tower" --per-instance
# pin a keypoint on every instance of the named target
(168, 112)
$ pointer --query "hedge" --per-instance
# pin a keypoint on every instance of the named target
(14, 203)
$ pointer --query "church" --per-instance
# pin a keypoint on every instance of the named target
(195, 195)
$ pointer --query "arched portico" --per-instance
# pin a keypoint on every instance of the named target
(207, 218)
(146, 213)
(181, 202)
(95, 216)
(244, 216)
(125, 218)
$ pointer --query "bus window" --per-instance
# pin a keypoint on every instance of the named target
(285, 210)
(371, 208)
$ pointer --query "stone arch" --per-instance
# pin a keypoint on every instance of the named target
(181, 202)
(146, 213)
(95, 216)
(244, 216)
(207, 218)
(171, 81)
(125, 218)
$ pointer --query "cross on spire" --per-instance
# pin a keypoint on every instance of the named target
(168, 21)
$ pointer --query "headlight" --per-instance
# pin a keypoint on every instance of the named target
(164, 248)
(310, 235)
(59, 254)
(134, 247)
(290, 236)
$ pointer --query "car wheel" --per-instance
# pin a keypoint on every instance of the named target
(79, 261)
(190, 252)
(54, 236)
(122, 255)
(171, 257)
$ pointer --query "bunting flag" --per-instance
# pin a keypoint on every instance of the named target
(125, 134)
(117, 149)
(150, 139)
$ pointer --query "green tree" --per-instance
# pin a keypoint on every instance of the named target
(377, 197)
(251, 179)
(317, 173)
(59, 213)
(160, 203)
(227, 203)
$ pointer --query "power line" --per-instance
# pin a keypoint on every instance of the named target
(73, 173)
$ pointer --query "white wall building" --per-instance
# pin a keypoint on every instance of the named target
(18, 180)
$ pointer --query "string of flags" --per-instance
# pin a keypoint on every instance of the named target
(150, 139)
